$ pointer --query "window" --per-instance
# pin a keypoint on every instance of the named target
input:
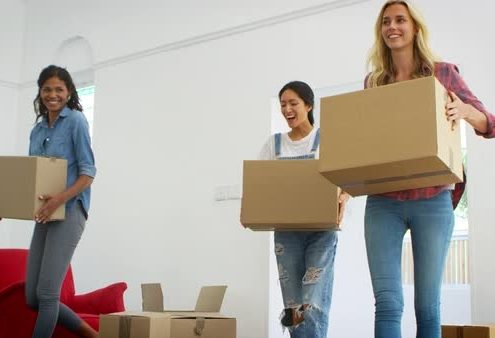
(87, 98)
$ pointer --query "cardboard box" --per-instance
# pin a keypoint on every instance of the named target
(133, 325)
(468, 331)
(389, 138)
(204, 321)
(287, 195)
(478, 331)
(24, 178)
(451, 331)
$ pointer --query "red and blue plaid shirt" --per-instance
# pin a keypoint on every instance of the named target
(449, 77)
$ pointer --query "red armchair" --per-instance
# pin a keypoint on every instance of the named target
(17, 319)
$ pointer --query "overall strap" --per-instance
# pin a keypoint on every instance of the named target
(316, 142)
(278, 144)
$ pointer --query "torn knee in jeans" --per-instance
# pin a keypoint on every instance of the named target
(312, 275)
(283, 275)
(294, 315)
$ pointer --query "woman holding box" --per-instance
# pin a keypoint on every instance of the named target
(62, 132)
(401, 53)
(305, 259)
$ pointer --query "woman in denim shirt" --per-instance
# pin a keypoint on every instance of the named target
(401, 53)
(305, 259)
(62, 132)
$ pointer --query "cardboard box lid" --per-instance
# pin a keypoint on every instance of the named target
(209, 300)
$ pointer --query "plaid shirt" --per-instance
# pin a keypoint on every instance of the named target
(448, 75)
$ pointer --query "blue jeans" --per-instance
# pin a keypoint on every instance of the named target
(430, 222)
(305, 266)
(50, 253)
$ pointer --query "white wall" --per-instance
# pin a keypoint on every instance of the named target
(174, 118)
(11, 42)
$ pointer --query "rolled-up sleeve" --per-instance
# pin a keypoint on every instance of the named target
(458, 86)
(82, 146)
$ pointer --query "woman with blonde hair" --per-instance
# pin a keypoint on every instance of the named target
(401, 53)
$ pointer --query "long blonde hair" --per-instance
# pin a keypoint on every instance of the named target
(380, 56)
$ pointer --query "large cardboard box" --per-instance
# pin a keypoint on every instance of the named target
(24, 178)
(389, 138)
(287, 195)
(154, 322)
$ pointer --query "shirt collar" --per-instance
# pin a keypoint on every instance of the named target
(64, 113)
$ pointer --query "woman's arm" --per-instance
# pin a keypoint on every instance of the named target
(457, 110)
(465, 104)
(52, 202)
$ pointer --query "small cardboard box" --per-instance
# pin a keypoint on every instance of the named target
(389, 138)
(468, 331)
(451, 331)
(288, 195)
(204, 321)
(24, 178)
(484, 331)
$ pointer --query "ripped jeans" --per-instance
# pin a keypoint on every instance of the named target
(305, 267)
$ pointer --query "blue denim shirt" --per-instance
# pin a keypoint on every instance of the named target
(69, 139)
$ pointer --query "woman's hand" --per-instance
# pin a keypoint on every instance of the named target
(48, 208)
(457, 110)
(343, 197)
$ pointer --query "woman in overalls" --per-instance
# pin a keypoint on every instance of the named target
(305, 259)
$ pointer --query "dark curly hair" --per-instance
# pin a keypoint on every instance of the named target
(61, 73)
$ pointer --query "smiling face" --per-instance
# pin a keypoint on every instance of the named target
(294, 109)
(398, 28)
(54, 94)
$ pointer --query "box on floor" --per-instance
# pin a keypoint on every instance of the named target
(154, 322)
(468, 331)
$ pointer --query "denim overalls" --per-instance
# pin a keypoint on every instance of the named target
(305, 262)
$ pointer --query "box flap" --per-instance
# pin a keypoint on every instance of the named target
(210, 298)
(152, 297)
(195, 314)
(143, 314)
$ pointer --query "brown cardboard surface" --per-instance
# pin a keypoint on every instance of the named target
(203, 327)
(165, 325)
(24, 178)
(451, 331)
(134, 325)
(287, 195)
(481, 331)
(152, 297)
(389, 138)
